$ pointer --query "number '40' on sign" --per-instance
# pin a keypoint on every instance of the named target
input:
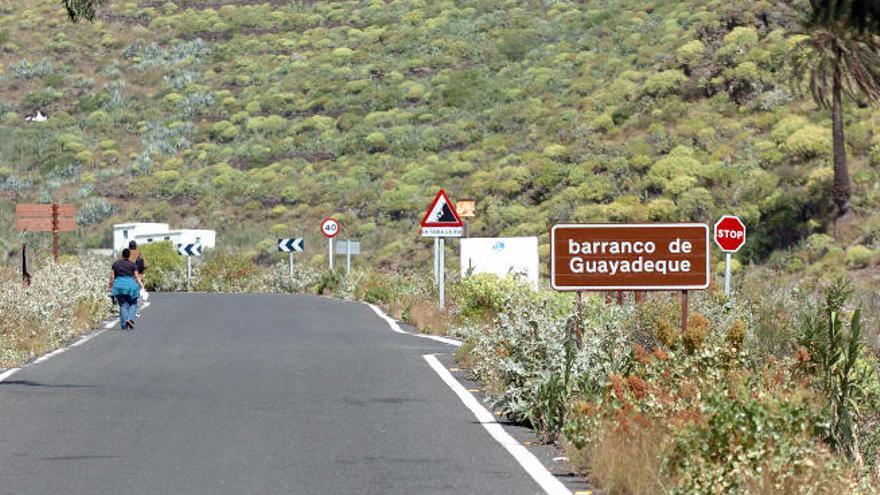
(330, 227)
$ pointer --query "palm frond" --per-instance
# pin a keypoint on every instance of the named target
(818, 56)
(860, 15)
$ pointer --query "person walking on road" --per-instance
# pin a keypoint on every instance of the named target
(137, 257)
(141, 263)
(125, 288)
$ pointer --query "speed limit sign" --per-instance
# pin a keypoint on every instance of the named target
(330, 228)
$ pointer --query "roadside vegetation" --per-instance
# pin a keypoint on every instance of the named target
(774, 391)
(66, 299)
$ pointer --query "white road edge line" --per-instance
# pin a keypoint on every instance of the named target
(396, 328)
(526, 459)
(391, 323)
(6, 374)
(108, 325)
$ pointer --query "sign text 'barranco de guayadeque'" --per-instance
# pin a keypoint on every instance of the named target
(629, 257)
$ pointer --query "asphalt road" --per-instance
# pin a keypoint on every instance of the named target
(246, 394)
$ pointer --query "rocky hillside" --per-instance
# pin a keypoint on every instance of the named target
(259, 118)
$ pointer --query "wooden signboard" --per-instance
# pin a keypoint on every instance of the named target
(467, 208)
(65, 224)
(43, 210)
(638, 257)
(39, 218)
(53, 218)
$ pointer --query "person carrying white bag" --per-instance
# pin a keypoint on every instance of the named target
(141, 263)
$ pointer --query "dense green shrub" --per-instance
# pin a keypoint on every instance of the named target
(481, 296)
(223, 272)
(663, 83)
(809, 142)
(378, 295)
(859, 256)
(164, 265)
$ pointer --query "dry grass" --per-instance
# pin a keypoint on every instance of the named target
(818, 476)
(83, 316)
(464, 354)
(427, 317)
(23, 337)
(397, 308)
(624, 461)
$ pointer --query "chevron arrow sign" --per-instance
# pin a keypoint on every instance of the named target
(189, 250)
(292, 245)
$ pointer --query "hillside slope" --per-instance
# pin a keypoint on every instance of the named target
(259, 118)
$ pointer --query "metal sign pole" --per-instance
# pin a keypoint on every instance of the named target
(727, 274)
(290, 264)
(348, 258)
(442, 274)
(330, 252)
(684, 311)
(189, 270)
(436, 259)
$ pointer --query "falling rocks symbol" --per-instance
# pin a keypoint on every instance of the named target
(445, 215)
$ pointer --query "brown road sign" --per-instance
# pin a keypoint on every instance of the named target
(43, 210)
(33, 211)
(39, 217)
(629, 257)
(65, 224)
(66, 210)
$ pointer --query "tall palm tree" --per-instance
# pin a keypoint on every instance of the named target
(842, 58)
(82, 9)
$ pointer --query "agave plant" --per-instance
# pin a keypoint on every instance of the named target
(835, 353)
(82, 9)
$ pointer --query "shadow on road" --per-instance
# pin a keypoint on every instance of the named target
(28, 383)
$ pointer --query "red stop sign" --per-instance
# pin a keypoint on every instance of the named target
(730, 233)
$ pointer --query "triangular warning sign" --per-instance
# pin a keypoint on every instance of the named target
(442, 213)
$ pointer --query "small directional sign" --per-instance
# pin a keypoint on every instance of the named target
(290, 245)
(189, 249)
(348, 247)
(441, 219)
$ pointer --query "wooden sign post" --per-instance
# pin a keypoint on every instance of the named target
(55, 218)
(25, 269)
(630, 257)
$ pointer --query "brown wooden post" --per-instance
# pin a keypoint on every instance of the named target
(25, 274)
(684, 311)
(55, 229)
(608, 297)
(620, 298)
(640, 296)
